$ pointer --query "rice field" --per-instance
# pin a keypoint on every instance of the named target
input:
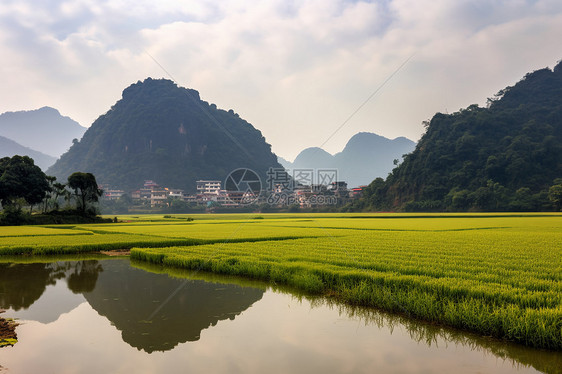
(498, 275)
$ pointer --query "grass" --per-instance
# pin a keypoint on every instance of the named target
(495, 274)
(49, 240)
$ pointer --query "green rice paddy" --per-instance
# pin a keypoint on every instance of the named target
(496, 274)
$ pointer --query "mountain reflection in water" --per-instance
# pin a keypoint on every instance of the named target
(152, 309)
(154, 312)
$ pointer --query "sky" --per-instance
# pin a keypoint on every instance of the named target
(305, 73)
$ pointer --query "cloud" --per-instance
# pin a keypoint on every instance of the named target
(294, 69)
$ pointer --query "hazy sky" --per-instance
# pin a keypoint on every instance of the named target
(296, 70)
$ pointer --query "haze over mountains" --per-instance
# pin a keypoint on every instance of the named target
(9, 148)
(506, 156)
(155, 138)
(159, 131)
(365, 157)
(44, 130)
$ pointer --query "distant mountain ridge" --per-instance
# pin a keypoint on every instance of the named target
(9, 148)
(44, 130)
(365, 157)
(159, 131)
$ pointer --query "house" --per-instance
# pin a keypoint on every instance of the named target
(339, 189)
(111, 194)
(158, 196)
(208, 187)
(357, 192)
(175, 193)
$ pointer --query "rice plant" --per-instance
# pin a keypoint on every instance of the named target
(496, 274)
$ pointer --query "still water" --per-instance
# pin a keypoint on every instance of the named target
(111, 316)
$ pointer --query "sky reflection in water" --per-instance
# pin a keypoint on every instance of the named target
(107, 316)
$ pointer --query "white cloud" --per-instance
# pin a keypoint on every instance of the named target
(296, 70)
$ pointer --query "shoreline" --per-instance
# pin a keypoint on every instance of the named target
(8, 336)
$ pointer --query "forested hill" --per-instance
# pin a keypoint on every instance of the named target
(162, 132)
(503, 157)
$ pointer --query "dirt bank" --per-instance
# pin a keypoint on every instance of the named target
(8, 334)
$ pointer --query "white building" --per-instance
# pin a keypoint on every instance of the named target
(158, 196)
(208, 187)
(113, 194)
(175, 193)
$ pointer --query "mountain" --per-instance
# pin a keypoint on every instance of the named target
(286, 164)
(506, 156)
(162, 132)
(368, 155)
(365, 157)
(9, 148)
(43, 130)
(314, 157)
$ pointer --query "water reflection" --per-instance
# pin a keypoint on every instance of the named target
(156, 312)
(155, 309)
(84, 276)
(22, 284)
(433, 336)
(422, 333)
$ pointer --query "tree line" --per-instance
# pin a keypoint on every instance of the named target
(24, 185)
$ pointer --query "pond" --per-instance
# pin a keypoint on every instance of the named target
(113, 316)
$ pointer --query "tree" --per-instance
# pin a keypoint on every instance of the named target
(176, 205)
(56, 190)
(555, 195)
(20, 178)
(460, 200)
(59, 189)
(48, 197)
(85, 189)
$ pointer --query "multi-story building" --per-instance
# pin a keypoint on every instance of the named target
(145, 193)
(208, 191)
(208, 187)
(340, 189)
(158, 196)
(175, 193)
(111, 194)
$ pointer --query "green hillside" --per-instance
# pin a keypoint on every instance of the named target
(506, 156)
(165, 133)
